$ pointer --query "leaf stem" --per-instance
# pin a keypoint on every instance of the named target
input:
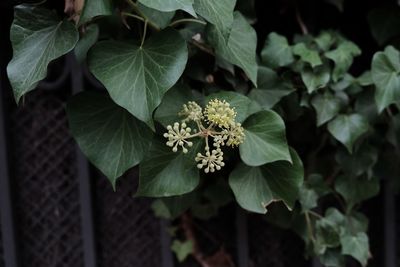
(309, 227)
(144, 33)
(132, 15)
(315, 214)
(180, 21)
(140, 13)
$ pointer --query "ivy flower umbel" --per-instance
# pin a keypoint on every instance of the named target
(216, 122)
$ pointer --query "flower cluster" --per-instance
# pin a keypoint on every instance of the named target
(216, 122)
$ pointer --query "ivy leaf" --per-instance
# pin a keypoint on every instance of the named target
(327, 106)
(356, 246)
(276, 51)
(243, 105)
(138, 77)
(348, 128)
(315, 78)
(219, 13)
(235, 50)
(386, 76)
(172, 103)
(256, 187)
(158, 18)
(86, 41)
(325, 40)
(332, 258)
(308, 198)
(38, 37)
(164, 173)
(171, 5)
(343, 57)
(355, 190)
(95, 8)
(271, 89)
(172, 207)
(359, 162)
(182, 249)
(112, 139)
(307, 55)
(265, 139)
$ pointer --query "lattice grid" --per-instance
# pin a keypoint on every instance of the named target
(128, 234)
(47, 193)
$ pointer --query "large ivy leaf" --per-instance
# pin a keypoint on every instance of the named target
(343, 56)
(276, 51)
(38, 36)
(217, 12)
(348, 128)
(235, 50)
(112, 139)
(265, 139)
(271, 88)
(95, 8)
(356, 246)
(315, 78)
(170, 5)
(386, 76)
(138, 77)
(327, 107)
(164, 173)
(307, 55)
(256, 187)
(243, 105)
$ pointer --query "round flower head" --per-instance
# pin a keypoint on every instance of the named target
(220, 113)
(176, 137)
(235, 135)
(211, 161)
(192, 111)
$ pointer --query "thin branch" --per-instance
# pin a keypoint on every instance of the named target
(300, 21)
(141, 14)
(180, 21)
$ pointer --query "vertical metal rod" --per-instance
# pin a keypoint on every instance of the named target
(242, 239)
(166, 254)
(389, 224)
(85, 190)
(6, 205)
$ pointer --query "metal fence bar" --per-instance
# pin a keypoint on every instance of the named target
(85, 190)
(389, 225)
(6, 206)
(242, 239)
(166, 255)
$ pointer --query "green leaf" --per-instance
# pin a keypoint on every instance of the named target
(112, 139)
(87, 40)
(38, 36)
(343, 57)
(164, 173)
(138, 77)
(386, 76)
(219, 13)
(170, 5)
(172, 103)
(308, 198)
(315, 78)
(356, 246)
(158, 18)
(384, 23)
(327, 106)
(276, 51)
(332, 258)
(172, 207)
(243, 105)
(271, 88)
(354, 190)
(325, 40)
(265, 139)
(182, 249)
(307, 55)
(359, 162)
(348, 128)
(256, 187)
(235, 50)
(95, 8)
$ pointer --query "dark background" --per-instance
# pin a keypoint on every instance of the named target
(57, 211)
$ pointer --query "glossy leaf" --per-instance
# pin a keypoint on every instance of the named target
(235, 50)
(315, 78)
(276, 51)
(348, 128)
(327, 106)
(356, 246)
(386, 76)
(138, 77)
(38, 37)
(164, 173)
(265, 139)
(256, 187)
(112, 139)
(170, 5)
(95, 8)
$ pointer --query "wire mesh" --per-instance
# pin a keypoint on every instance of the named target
(273, 247)
(128, 234)
(47, 192)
